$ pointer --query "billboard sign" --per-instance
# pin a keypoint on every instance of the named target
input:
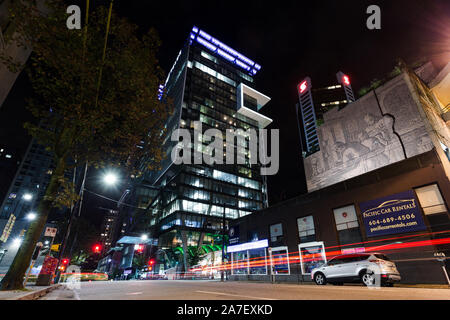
(397, 213)
(233, 234)
(9, 226)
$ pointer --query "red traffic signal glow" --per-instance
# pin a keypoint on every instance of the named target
(151, 262)
(65, 261)
(97, 248)
(346, 80)
(302, 86)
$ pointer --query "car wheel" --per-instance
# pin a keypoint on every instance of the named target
(368, 279)
(320, 279)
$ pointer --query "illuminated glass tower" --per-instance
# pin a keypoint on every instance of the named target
(313, 103)
(212, 84)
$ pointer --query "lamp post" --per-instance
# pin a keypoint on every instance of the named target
(109, 179)
(222, 274)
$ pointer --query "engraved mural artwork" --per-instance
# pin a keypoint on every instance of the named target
(370, 133)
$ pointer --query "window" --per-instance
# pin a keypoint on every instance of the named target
(334, 261)
(431, 200)
(280, 261)
(257, 261)
(382, 256)
(312, 255)
(349, 259)
(306, 229)
(347, 225)
(240, 262)
(345, 218)
(276, 232)
(434, 208)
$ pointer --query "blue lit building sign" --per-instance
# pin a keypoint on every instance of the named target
(224, 51)
(248, 246)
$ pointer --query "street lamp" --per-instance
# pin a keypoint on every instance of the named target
(16, 242)
(110, 179)
(27, 196)
(31, 216)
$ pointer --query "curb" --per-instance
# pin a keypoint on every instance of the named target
(38, 293)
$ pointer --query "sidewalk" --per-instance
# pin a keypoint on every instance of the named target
(29, 293)
(396, 285)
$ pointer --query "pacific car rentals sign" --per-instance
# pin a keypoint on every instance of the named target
(397, 213)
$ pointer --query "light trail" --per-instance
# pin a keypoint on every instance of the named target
(294, 257)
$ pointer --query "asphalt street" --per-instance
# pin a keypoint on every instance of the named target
(231, 290)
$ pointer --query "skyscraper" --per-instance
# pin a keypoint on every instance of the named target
(313, 103)
(24, 194)
(211, 86)
(11, 48)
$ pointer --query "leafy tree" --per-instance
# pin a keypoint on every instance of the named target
(95, 93)
(195, 255)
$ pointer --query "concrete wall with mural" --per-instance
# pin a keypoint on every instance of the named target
(381, 128)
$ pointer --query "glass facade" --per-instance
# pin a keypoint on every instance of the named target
(31, 178)
(195, 198)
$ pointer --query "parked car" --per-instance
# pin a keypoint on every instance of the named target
(361, 267)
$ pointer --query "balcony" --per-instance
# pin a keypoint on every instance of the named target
(249, 102)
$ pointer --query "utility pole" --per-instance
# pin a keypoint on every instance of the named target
(71, 217)
(222, 274)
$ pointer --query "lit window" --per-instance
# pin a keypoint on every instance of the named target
(431, 200)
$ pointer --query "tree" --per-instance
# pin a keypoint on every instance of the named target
(95, 94)
(196, 254)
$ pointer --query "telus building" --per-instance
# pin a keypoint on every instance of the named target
(210, 86)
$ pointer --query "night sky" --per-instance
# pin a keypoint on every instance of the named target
(290, 40)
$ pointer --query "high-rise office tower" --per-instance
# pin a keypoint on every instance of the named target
(109, 229)
(24, 194)
(314, 102)
(211, 86)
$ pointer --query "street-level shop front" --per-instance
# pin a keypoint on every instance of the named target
(400, 210)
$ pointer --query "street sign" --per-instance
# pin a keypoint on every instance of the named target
(50, 232)
(55, 247)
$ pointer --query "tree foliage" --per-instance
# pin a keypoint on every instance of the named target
(84, 116)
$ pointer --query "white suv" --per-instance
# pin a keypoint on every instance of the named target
(361, 267)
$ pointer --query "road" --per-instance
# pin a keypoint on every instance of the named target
(215, 290)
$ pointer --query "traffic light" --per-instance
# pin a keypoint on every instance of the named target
(64, 264)
(97, 248)
(151, 262)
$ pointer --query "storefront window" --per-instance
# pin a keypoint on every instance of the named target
(280, 261)
(240, 262)
(312, 255)
(257, 261)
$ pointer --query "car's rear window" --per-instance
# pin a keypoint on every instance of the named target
(382, 257)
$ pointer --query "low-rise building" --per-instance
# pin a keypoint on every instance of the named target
(380, 183)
